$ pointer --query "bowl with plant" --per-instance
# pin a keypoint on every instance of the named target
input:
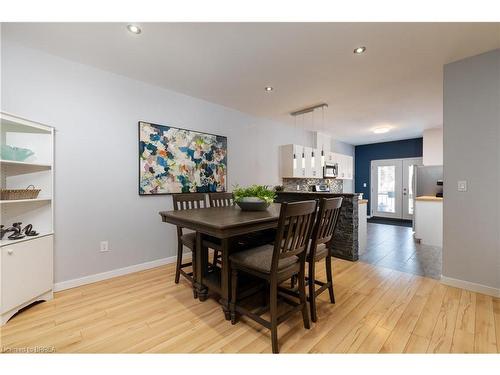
(254, 198)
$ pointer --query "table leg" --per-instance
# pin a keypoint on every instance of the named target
(225, 278)
(200, 264)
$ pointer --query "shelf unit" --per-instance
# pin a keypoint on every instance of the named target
(26, 264)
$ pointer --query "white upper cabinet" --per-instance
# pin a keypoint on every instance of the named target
(345, 166)
(291, 161)
(305, 162)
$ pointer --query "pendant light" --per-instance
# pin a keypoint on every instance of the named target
(294, 155)
(322, 131)
(313, 162)
(303, 147)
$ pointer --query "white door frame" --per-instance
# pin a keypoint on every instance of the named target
(401, 204)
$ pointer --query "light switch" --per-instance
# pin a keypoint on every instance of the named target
(364, 184)
(462, 186)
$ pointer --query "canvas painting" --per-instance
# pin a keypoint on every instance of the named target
(174, 160)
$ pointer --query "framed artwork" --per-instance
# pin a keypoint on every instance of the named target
(174, 160)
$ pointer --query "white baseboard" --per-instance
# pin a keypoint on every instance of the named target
(113, 273)
(473, 287)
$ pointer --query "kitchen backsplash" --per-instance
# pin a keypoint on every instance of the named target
(305, 184)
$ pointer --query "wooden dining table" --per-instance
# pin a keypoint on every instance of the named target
(225, 224)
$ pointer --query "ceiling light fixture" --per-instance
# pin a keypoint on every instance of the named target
(359, 50)
(134, 29)
(381, 130)
(268, 88)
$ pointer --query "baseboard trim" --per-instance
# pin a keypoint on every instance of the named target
(63, 285)
(473, 287)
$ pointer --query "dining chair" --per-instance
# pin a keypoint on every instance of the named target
(187, 201)
(320, 248)
(221, 199)
(276, 264)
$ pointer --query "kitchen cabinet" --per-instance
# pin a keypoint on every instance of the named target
(293, 165)
(345, 166)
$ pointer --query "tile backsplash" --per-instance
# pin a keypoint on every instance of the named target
(305, 184)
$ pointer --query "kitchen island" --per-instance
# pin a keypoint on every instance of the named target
(345, 243)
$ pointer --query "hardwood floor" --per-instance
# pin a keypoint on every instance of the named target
(377, 310)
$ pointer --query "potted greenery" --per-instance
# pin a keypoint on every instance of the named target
(254, 198)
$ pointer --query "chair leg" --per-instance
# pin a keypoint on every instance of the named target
(303, 297)
(329, 277)
(312, 289)
(179, 262)
(234, 289)
(273, 295)
(193, 265)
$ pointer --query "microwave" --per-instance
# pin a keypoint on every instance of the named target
(330, 170)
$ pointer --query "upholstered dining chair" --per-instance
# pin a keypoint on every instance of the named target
(276, 264)
(187, 201)
(320, 248)
(219, 200)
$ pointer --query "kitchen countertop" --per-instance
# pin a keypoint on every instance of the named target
(429, 198)
(317, 193)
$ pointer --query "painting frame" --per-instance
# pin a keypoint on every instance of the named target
(142, 123)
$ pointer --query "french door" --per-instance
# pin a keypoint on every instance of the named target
(392, 187)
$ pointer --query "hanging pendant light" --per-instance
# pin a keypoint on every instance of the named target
(322, 143)
(313, 162)
(294, 155)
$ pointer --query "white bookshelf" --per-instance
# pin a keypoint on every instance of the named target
(26, 264)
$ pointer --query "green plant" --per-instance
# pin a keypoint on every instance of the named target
(260, 191)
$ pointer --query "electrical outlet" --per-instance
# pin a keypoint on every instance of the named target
(104, 246)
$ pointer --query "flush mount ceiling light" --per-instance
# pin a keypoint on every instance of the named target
(134, 29)
(381, 130)
(359, 50)
(268, 88)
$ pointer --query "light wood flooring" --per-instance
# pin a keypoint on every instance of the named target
(378, 310)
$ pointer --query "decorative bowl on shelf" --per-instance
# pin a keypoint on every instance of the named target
(252, 204)
(15, 153)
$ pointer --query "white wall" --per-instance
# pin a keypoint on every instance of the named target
(471, 243)
(433, 147)
(95, 114)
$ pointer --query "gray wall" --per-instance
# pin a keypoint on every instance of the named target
(95, 114)
(471, 243)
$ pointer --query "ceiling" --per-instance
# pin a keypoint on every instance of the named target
(397, 82)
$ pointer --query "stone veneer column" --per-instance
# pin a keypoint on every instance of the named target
(345, 239)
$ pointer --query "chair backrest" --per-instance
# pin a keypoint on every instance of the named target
(188, 201)
(326, 222)
(221, 199)
(294, 230)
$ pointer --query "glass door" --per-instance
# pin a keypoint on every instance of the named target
(386, 191)
(393, 188)
(409, 170)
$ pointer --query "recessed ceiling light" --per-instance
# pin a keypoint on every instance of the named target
(359, 50)
(268, 88)
(381, 130)
(134, 29)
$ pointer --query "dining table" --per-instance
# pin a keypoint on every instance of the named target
(225, 225)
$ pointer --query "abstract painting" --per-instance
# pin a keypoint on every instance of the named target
(174, 160)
